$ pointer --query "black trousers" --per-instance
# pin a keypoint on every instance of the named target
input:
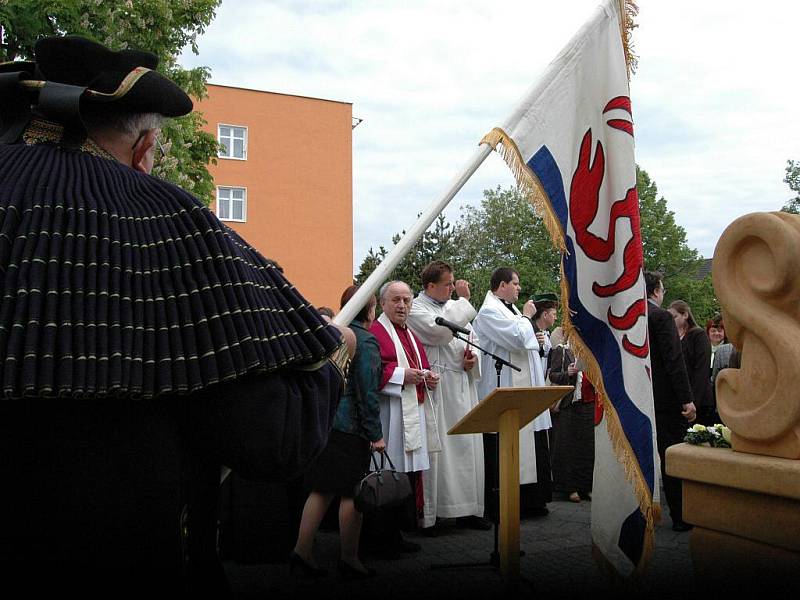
(671, 430)
(532, 495)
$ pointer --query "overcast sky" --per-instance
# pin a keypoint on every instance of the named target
(715, 97)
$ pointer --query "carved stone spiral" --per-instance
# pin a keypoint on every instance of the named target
(756, 276)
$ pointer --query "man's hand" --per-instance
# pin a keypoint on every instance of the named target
(529, 309)
(413, 376)
(431, 380)
(378, 446)
(540, 337)
(469, 359)
(689, 412)
(571, 370)
(462, 289)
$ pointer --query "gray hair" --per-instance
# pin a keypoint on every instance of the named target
(386, 286)
(109, 121)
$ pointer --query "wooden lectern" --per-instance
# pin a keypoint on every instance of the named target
(506, 411)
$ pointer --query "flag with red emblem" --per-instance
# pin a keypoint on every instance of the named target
(571, 147)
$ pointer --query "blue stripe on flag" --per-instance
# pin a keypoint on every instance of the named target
(544, 165)
(631, 536)
(595, 333)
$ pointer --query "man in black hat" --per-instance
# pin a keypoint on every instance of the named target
(143, 344)
(543, 320)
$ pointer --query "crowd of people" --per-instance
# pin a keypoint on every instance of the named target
(427, 376)
(146, 348)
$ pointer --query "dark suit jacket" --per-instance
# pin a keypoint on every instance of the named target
(697, 357)
(671, 388)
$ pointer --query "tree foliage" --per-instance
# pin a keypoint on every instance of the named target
(437, 243)
(667, 250)
(793, 180)
(504, 230)
(163, 27)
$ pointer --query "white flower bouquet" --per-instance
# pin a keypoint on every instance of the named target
(716, 436)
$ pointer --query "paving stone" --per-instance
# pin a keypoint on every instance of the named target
(558, 564)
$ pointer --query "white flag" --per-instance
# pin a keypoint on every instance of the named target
(570, 145)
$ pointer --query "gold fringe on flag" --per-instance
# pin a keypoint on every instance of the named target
(619, 441)
(627, 13)
(530, 185)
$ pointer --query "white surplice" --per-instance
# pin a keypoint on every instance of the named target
(453, 486)
(510, 336)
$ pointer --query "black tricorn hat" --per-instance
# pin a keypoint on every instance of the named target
(72, 74)
(126, 77)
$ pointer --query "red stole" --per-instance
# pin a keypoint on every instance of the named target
(389, 357)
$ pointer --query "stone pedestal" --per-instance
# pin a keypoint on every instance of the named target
(746, 513)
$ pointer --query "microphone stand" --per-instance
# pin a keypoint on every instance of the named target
(494, 557)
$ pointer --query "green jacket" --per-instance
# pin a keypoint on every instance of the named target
(359, 411)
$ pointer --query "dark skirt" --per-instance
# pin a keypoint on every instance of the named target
(573, 447)
(342, 464)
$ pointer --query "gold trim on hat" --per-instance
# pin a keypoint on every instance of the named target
(124, 87)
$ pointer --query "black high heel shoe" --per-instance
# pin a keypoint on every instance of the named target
(350, 573)
(297, 562)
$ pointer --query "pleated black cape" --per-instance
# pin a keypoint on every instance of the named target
(116, 283)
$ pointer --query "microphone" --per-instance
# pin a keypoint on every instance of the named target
(451, 326)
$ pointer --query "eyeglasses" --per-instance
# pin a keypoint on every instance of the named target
(162, 152)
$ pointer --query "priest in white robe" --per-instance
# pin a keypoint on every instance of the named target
(454, 485)
(509, 333)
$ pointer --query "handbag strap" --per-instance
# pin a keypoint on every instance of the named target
(384, 459)
(389, 460)
(375, 463)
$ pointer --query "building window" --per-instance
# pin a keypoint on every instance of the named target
(232, 204)
(233, 141)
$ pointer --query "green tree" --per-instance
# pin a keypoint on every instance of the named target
(666, 250)
(505, 230)
(369, 264)
(437, 243)
(793, 180)
(159, 26)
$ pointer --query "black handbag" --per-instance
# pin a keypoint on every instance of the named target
(382, 488)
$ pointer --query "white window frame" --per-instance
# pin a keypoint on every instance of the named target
(231, 138)
(230, 206)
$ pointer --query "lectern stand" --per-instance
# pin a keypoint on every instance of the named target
(506, 411)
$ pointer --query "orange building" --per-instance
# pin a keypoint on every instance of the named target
(284, 182)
